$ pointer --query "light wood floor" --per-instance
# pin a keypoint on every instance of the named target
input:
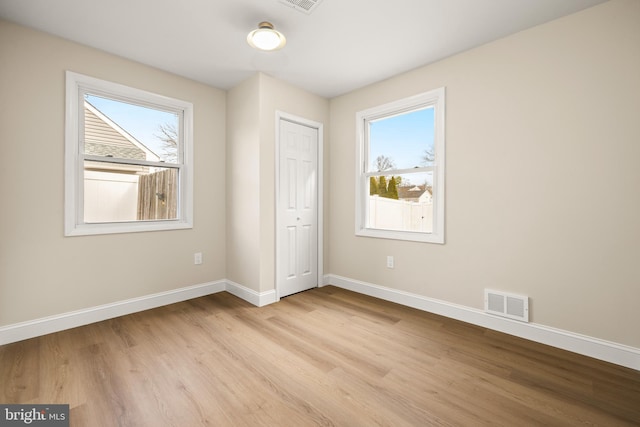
(325, 357)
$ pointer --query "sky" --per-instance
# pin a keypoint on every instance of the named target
(404, 139)
(140, 122)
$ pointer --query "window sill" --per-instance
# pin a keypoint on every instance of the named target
(126, 227)
(410, 236)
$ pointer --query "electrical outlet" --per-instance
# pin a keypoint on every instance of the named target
(390, 261)
(197, 258)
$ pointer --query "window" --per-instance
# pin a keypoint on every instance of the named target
(128, 159)
(400, 169)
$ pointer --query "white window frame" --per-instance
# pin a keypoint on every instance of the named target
(436, 99)
(76, 86)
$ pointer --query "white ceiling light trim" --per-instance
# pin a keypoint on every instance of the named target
(265, 37)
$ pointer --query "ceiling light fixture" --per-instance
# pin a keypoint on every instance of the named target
(265, 37)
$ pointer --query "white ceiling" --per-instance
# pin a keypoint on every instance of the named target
(342, 45)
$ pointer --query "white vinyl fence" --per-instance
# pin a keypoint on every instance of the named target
(113, 196)
(110, 196)
(391, 214)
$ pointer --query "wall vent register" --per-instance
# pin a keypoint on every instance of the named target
(506, 305)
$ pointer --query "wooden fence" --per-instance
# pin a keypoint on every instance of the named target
(158, 195)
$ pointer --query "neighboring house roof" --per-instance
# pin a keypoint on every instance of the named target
(103, 137)
(414, 193)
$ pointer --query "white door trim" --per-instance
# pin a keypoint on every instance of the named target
(281, 115)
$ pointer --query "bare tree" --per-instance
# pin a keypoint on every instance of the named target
(169, 138)
(384, 163)
(428, 156)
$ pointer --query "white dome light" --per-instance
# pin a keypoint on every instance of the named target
(265, 37)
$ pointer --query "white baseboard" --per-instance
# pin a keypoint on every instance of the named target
(46, 325)
(593, 347)
(60, 322)
(588, 346)
(256, 298)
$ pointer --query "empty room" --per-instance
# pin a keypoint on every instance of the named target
(320, 213)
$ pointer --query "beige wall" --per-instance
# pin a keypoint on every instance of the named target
(543, 145)
(252, 108)
(243, 189)
(43, 273)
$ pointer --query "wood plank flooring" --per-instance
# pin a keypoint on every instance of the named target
(325, 357)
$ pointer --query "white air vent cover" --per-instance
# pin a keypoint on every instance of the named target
(506, 305)
(306, 6)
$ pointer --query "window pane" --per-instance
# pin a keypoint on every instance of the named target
(117, 193)
(401, 202)
(400, 192)
(404, 141)
(127, 131)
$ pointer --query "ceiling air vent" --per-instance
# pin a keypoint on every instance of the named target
(306, 6)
